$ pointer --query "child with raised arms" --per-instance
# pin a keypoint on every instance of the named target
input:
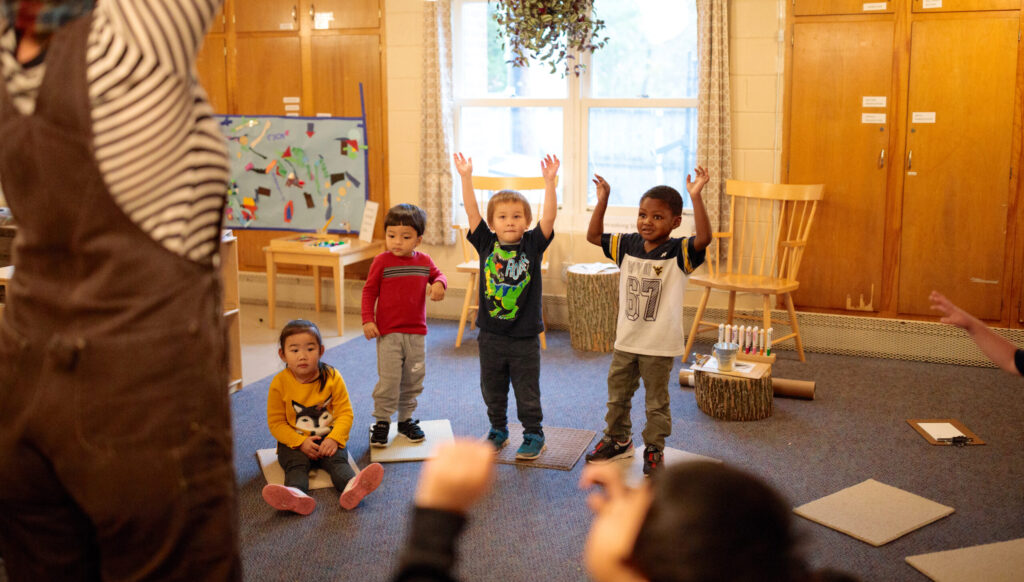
(649, 333)
(510, 298)
(394, 312)
(309, 413)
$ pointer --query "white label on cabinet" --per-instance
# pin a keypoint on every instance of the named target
(291, 100)
(292, 107)
(322, 20)
(922, 117)
(323, 115)
(872, 118)
(873, 101)
(291, 114)
(285, 26)
(931, 4)
(870, 6)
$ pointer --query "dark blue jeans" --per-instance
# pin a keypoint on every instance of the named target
(503, 360)
(296, 467)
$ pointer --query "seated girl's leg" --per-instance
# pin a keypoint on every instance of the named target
(353, 486)
(296, 467)
(338, 468)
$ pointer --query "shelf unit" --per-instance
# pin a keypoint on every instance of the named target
(232, 319)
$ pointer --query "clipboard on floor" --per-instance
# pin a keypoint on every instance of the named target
(944, 431)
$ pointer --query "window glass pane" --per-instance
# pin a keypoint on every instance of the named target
(481, 62)
(651, 51)
(637, 148)
(510, 141)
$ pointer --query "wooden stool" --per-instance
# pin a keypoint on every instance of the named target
(592, 292)
(732, 397)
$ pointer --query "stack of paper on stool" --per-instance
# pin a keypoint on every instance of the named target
(274, 474)
(873, 512)
(402, 449)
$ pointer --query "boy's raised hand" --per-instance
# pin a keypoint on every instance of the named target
(695, 186)
(463, 165)
(456, 477)
(619, 513)
(951, 314)
(603, 188)
(549, 167)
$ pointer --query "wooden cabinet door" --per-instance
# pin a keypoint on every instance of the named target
(964, 5)
(266, 15)
(958, 162)
(269, 75)
(330, 14)
(211, 64)
(842, 72)
(217, 25)
(340, 65)
(816, 7)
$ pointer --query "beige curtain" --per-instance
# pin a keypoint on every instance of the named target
(436, 124)
(714, 144)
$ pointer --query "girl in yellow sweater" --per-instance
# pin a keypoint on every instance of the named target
(309, 413)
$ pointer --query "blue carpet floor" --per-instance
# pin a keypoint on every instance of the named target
(533, 524)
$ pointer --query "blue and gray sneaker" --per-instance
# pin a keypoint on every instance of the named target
(532, 447)
(498, 437)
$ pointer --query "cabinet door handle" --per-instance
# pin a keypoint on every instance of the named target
(312, 11)
(910, 159)
(881, 159)
(295, 14)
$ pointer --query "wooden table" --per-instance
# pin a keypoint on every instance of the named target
(285, 250)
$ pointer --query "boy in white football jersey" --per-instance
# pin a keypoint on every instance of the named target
(654, 271)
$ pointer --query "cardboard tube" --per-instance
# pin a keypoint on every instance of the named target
(780, 386)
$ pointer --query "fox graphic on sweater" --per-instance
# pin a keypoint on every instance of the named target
(315, 420)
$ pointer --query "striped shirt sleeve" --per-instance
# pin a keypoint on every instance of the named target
(157, 146)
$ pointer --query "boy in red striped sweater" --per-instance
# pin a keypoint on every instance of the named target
(394, 312)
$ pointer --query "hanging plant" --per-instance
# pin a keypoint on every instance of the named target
(551, 31)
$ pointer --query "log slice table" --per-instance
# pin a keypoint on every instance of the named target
(731, 397)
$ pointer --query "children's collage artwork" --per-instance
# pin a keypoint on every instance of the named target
(296, 173)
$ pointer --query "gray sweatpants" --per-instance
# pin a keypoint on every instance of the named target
(401, 370)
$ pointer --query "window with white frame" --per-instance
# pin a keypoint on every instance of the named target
(631, 117)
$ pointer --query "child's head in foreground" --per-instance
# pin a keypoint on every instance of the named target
(704, 521)
(660, 212)
(403, 229)
(509, 215)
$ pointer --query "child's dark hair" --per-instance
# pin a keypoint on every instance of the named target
(297, 326)
(668, 195)
(407, 215)
(711, 522)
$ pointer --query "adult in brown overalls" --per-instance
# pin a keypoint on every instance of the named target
(115, 440)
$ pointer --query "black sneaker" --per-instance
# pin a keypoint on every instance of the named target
(608, 450)
(412, 431)
(379, 433)
(652, 460)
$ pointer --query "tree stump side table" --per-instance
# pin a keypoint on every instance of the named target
(729, 397)
(592, 294)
